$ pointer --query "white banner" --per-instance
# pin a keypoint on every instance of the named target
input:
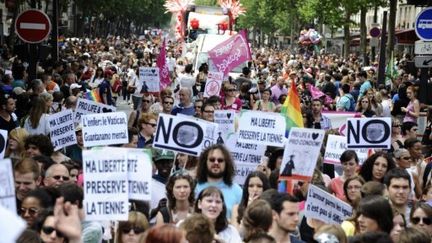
(85, 107)
(104, 129)
(266, 128)
(149, 76)
(11, 225)
(139, 173)
(301, 152)
(336, 145)
(106, 186)
(182, 134)
(213, 84)
(62, 129)
(7, 188)
(326, 207)
(374, 133)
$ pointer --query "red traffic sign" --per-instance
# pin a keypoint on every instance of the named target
(32, 26)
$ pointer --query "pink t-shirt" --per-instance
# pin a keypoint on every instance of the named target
(336, 185)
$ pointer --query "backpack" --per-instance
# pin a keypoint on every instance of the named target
(116, 87)
(352, 102)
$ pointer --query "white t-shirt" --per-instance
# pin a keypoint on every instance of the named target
(230, 235)
(42, 128)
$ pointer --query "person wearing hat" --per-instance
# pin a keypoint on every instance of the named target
(75, 89)
(105, 88)
(74, 152)
(163, 161)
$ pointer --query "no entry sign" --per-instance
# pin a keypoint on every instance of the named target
(32, 26)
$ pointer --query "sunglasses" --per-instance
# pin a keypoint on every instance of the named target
(231, 90)
(57, 178)
(136, 230)
(171, 103)
(208, 111)
(151, 124)
(365, 102)
(31, 211)
(219, 160)
(146, 101)
(406, 158)
(426, 221)
(396, 125)
(48, 230)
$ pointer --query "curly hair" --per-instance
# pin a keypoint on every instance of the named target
(367, 167)
(170, 187)
(42, 142)
(202, 171)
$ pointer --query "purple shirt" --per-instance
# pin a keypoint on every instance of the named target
(276, 92)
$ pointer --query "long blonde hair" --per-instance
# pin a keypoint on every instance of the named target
(18, 134)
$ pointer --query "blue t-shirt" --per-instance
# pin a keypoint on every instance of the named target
(232, 194)
(189, 111)
(365, 86)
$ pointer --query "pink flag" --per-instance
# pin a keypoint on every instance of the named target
(316, 93)
(231, 53)
(163, 68)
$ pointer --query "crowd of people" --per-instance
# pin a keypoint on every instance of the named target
(195, 199)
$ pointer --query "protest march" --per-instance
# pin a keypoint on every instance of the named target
(139, 139)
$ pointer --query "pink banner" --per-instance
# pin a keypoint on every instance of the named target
(163, 68)
(231, 53)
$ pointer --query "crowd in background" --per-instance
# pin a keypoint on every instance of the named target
(195, 199)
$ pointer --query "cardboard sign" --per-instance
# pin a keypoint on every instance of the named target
(139, 173)
(62, 129)
(85, 107)
(338, 119)
(242, 171)
(301, 153)
(336, 145)
(106, 186)
(213, 84)
(183, 134)
(264, 128)
(3, 142)
(11, 225)
(149, 76)
(104, 129)
(7, 188)
(369, 133)
(326, 207)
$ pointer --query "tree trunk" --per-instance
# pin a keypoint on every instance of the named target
(347, 35)
(391, 28)
(363, 35)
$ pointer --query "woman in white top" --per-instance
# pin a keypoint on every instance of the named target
(210, 203)
(97, 78)
(37, 121)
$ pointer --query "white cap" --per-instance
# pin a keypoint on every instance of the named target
(75, 86)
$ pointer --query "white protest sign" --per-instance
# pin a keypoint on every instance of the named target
(369, 133)
(106, 186)
(7, 188)
(149, 76)
(11, 225)
(139, 173)
(3, 142)
(326, 207)
(246, 156)
(338, 119)
(336, 145)
(266, 128)
(213, 84)
(181, 134)
(62, 129)
(226, 121)
(104, 129)
(85, 107)
(211, 131)
(301, 152)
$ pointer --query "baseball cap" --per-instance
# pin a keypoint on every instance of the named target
(162, 154)
(75, 86)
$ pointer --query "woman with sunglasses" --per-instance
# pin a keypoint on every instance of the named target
(230, 101)
(364, 106)
(132, 230)
(180, 194)
(147, 127)
(34, 203)
(210, 202)
(46, 227)
(421, 217)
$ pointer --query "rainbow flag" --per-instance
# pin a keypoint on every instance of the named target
(93, 95)
(291, 109)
